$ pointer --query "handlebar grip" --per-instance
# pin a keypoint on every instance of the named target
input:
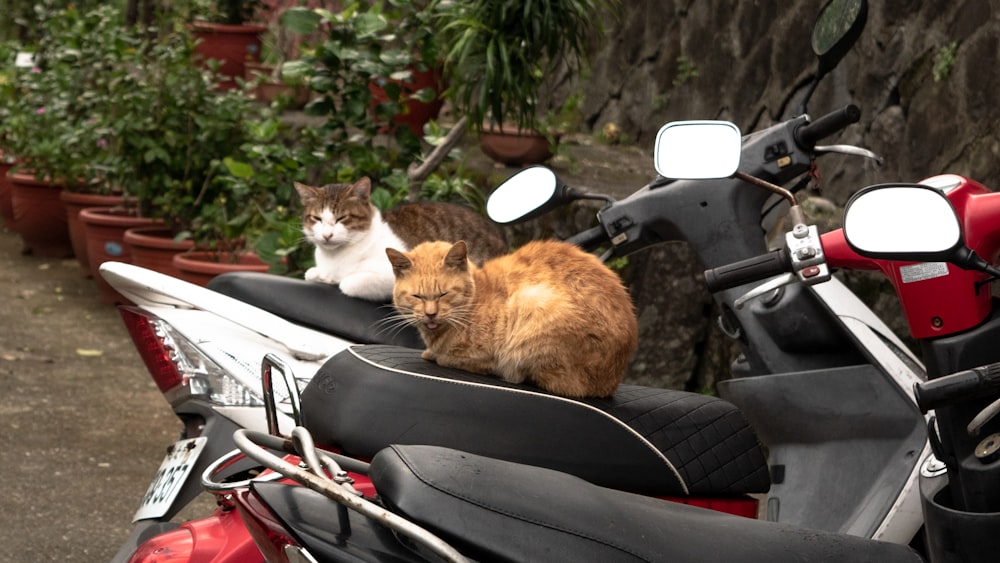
(589, 239)
(957, 386)
(749, 270)
(807, 135)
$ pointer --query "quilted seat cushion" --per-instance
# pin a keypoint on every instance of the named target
(649, 440)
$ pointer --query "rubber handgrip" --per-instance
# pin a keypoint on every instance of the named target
(807, 135)
(749, 270)
(957, 386)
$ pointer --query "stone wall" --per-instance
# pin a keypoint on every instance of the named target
(924, 75)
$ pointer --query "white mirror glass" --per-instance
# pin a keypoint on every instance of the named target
(902, 219)
(521, 194)
(697, 149)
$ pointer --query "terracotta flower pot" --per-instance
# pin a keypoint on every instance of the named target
(153, 247)
(6, 196)
(417, 113)
(200, 266)
(232, 45)
(40, 217)
(105, 231)
(514, 147)
(76, 202)
(270, 88)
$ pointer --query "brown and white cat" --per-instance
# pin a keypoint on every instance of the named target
(351, 235)
(548, 313)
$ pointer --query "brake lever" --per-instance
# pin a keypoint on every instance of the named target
(764, 288)
(849, 150)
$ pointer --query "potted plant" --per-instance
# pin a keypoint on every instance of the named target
(496, 64)
(9, 94)
(51, 128)
(170, 138)
(280, 44)
(230, 32)
(362, 77)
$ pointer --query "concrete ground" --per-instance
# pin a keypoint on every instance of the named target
(82, 426)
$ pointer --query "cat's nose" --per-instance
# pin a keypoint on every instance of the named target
(430, 310)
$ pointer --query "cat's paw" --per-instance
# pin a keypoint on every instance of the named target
(428, 355)
(315, 274)
(367, 287)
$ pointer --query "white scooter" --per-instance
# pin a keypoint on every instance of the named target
(204, 351)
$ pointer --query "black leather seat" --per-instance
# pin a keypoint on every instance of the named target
(500, 511)
(653, 441)
(320, 306)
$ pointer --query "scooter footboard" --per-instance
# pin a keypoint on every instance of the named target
(654, 441)
(842, 444)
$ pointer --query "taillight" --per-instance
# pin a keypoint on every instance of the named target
(177, 365)
(152, 346)
(268, 532)
(175, 545)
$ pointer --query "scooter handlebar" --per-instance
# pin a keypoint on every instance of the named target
(966, 384)
(807, 135)
(749, 270)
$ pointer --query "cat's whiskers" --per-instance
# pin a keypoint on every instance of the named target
(460, 316)
(394, 324)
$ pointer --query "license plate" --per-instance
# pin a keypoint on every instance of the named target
(174, 470)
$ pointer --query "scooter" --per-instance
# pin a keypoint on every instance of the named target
(443, 503)
(203, 350)
(844, 339)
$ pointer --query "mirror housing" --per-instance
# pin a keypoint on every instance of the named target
(908, 222)
(698, 150)
(525, 195)
(837, 27)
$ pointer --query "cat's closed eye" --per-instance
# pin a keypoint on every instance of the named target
(430, 297)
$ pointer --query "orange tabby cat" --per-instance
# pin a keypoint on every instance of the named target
(548, 313)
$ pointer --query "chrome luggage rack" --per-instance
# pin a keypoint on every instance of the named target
(320, 471)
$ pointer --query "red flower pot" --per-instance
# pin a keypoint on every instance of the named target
(105, 231)
(200, 266)
(74, 203)
(153, 247)
(40, 217)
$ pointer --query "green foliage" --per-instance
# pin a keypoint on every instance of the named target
(54, 125)
(171, 131)
(274, 157)
(500, 53)
(364, 49)
(944, 61)
(229, 12)
(685, 70)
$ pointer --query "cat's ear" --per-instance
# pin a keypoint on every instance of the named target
(400, 263)
(458, 256)
(306, 193)
(362, 189)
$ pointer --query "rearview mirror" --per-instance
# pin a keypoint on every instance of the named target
(524, 195)
(697, 149)
(908, 222)
(837, 27)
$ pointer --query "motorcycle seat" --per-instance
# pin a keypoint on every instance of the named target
(320, 306)
(642, 439)
(492, 510)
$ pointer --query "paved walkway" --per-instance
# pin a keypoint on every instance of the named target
(82, 426)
